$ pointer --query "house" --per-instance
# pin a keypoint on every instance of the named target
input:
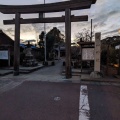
(5, 40)
(6, 50)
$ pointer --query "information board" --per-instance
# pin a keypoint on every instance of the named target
(88, 53)
(4, 55)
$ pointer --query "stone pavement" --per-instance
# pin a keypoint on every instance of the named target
(51, 74)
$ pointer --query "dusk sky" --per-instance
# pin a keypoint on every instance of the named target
(105, 15)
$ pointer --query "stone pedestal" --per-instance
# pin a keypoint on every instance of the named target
(96, 75)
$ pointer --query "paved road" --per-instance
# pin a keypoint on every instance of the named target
(41, 101)
(35, 100)
(104, 102)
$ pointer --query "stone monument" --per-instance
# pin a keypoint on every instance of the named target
(97, 73)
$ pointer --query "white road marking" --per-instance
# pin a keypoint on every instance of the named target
(84, 109)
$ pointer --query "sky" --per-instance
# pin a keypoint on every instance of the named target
(105, 15)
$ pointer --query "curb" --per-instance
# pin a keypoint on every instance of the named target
(99, 80)
(7, 73)
(22, 71)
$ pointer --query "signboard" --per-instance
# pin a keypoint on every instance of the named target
(87, 53)
(4, 55)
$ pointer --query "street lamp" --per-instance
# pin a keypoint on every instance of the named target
(119, 31)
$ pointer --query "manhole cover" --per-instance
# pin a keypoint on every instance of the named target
(57, 98)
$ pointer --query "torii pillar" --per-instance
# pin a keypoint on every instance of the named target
(68, 43)
(17, 44)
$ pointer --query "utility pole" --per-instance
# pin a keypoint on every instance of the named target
(119, 58)
(119, 61)
(91, 30)
(45, 37)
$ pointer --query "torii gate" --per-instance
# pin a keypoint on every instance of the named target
(66, 6)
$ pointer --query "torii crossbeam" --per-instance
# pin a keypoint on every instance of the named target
(47, 20)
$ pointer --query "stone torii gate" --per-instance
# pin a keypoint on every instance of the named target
(66, 6)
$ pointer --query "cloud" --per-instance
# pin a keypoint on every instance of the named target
(111, 31)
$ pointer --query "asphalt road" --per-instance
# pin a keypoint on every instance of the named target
(104, 102)
(58, 101)
(41, 101)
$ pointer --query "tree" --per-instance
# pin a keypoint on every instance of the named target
(84, 36)
(56, 35)
(109, 54)
(110, 42)
(52, 37)
(75, 51)
(113, 41)
(41, 42)
(41, 45)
